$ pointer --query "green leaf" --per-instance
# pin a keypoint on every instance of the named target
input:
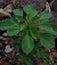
(27, 44)
(41, 54)
(23, 27)
(16, 43)
(16, 39)
(29, 10)
(7, 23)
(33, 32)
(38, 45)
(20, 57)
(47, 27)
(20, 18)
(18, 12)
(54, 28)
(29, 62)
(14, 30)
(47, 40)
(4, 24)
(35, 19)
(45, 16)
(16, 47)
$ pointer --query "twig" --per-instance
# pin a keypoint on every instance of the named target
(48, 7)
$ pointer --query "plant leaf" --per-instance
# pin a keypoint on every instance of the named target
(35, 19)
(27, 44)
(29, 10)
(29, 62)
(14, 30)
(54, 28)
(23, 27)
(44, 16)
(7, 23)
(33, 32)
(41, 54)
(18, 12)
(47, 40)
(20, 18)
(47, 27)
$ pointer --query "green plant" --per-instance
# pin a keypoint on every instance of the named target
(35, 32)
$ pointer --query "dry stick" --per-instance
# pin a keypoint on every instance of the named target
(9, 8)
(48, 7)
(3, 12)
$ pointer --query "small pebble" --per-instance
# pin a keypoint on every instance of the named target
(8, 49)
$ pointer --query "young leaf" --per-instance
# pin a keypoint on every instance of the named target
(45, 16)
(33, 32)
(29, 10)
(46, 27)
(41, 54)
(17, 43)
(47, 40)
(20, 57)
(13, 30)
(20, 18)
(29, 62)
(35, 19)
(27, 44)
(7, 23)
(54, 28)
(18, 12)
(23, 27)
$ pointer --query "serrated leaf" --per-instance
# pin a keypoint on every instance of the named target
(54, 28)
(7, 23)
(46, 27)
(27, 44)
(41, 54)
(14, 30)
(47, 40)
(45, 16)
(35, 19)
(33, 32)
(4, 24)
(18, 12)
(29, 10)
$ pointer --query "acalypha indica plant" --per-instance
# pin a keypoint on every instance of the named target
(30, 31)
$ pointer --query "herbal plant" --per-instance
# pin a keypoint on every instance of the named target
(30, 31)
